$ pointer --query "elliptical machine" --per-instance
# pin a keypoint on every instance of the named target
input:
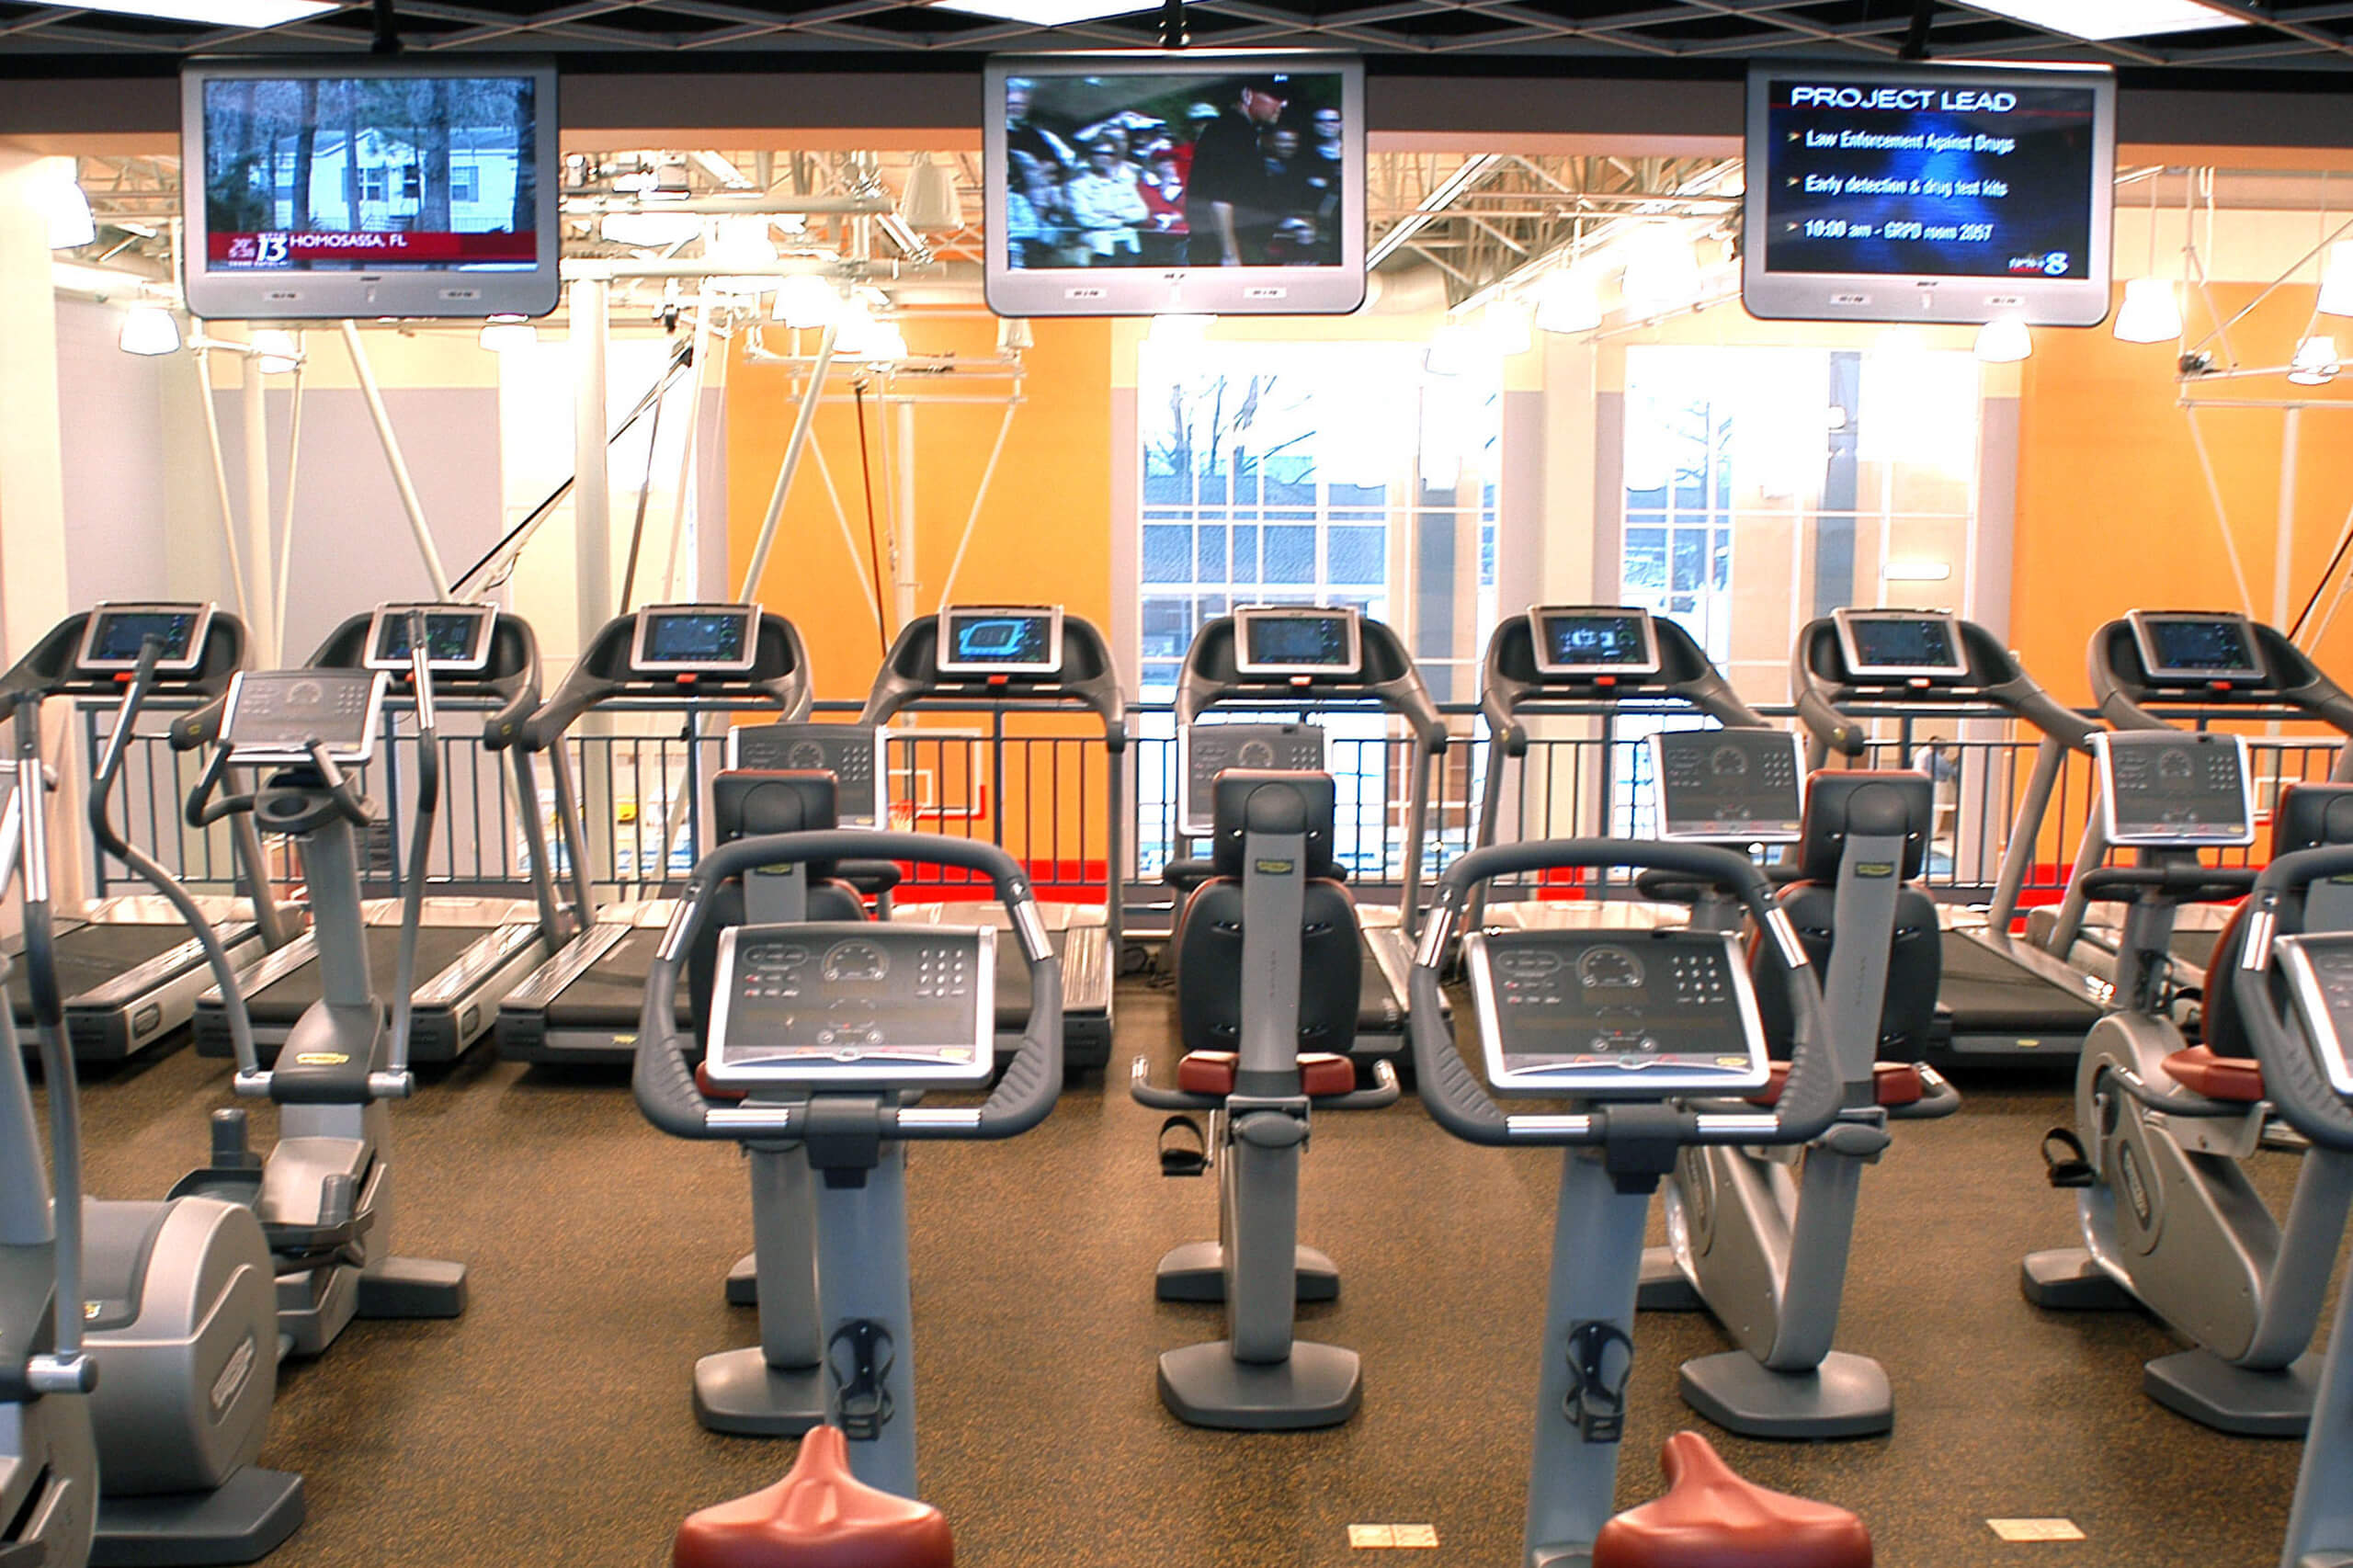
(49, 1462)
(2169, 1219)
(324, 1194)
(1654, 1037)
(178, 1307)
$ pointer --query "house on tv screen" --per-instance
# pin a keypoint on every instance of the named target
(394, 186)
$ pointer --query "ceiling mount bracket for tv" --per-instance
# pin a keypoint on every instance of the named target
(1916, 37)
(1174, 31)
(388, 29)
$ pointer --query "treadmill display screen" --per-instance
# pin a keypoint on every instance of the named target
(1900, 645)
(696, 639)
(277, 715)
(1594, 642)
(457, 641)
(1284, 641)
(851, 753)
(1000, 641)
(2180, 789)
(1603, 1012)
(1211, 749)
(2319, 966)
(115, 633)
(1728, 785)
(870, 1004)
(2197, 648)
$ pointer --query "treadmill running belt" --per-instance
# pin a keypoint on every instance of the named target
(611, 992)
(90, 956)
(1987, 993)
(1378, 1009)
(437, 948)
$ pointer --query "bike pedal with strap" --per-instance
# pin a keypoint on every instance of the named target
(2072, 1166)
(1178, 1159)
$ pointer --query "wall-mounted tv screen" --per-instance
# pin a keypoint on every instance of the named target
(1196, 182)
(357, 187)
(1930, 193)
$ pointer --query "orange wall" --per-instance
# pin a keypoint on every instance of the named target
(2113, 508)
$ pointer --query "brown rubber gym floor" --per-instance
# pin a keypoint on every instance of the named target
(550, 1424)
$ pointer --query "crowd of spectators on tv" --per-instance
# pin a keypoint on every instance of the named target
(1251, 184)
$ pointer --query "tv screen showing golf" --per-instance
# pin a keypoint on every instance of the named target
(1282, 642)
(689, 638)
(359, 188)
(991, 640)
(117, 633)
(1930, 193)
(1202, 181)
(1594, 642)
(457, 641)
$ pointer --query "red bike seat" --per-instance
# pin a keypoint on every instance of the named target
(819, 1516)
(1712, 1518)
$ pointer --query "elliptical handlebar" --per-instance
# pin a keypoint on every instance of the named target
(395, 1080)
(1809, 1102)
(2293, 1078)
(665, 1085)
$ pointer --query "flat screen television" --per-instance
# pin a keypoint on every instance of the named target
(358, 186)
(1930, 193)
(1199, 182)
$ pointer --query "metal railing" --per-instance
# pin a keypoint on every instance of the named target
(1036, 785)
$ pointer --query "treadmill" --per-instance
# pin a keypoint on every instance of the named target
(2153, 661)
(1567, 661)
(2003, 1002)
(1308, 659)
(469, 951)
(129, 967)
(1025, 658)
(582, 1006)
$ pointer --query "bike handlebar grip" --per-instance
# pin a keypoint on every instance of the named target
(1030, 1087)
(1834, 728)
(1455, 1099)
(1721, 868)
(2303, 867)
(2198, 884)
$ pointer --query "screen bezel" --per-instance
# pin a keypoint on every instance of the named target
(1930, 298)
(475, 659)
(1187, 290)
(880, 737)
(1845, 619)
(2104, 763)
(1545, 665)
(1247, 615)
(380, 685)
(419, 292)
(2145, 622)
(85, 659)
(948, 665)
(1647, 1083)
(2331, 1047)
(813, 1068)
(647, 615)
(1791, 833)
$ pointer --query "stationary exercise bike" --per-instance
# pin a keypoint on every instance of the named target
(2299, 940)
(324, 1194)
(1267, 958)
(826, 1029)
(179, 1309)
(2169, 1219)
(1759, 1234)
(1654, 1039)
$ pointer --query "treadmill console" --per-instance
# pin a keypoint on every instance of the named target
(1278, 641)
(1901, 645)
(2195, 647)
(2319, 966)
(1728, 785)
(1589, 640)
(978, 641)
(853, 754)
(457, 637)
(703, 639)
(2174, 789)
(1602, 1013)
(114, 634)
(274, 716)
(1211, 749)
(853, 1003)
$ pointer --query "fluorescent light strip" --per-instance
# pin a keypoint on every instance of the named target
(217, 13)
(2097, 20)
(1045, 13)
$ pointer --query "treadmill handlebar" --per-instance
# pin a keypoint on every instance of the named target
(604, 671)
(1809, 1102)
(665, 1085)
(2293, 1078)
